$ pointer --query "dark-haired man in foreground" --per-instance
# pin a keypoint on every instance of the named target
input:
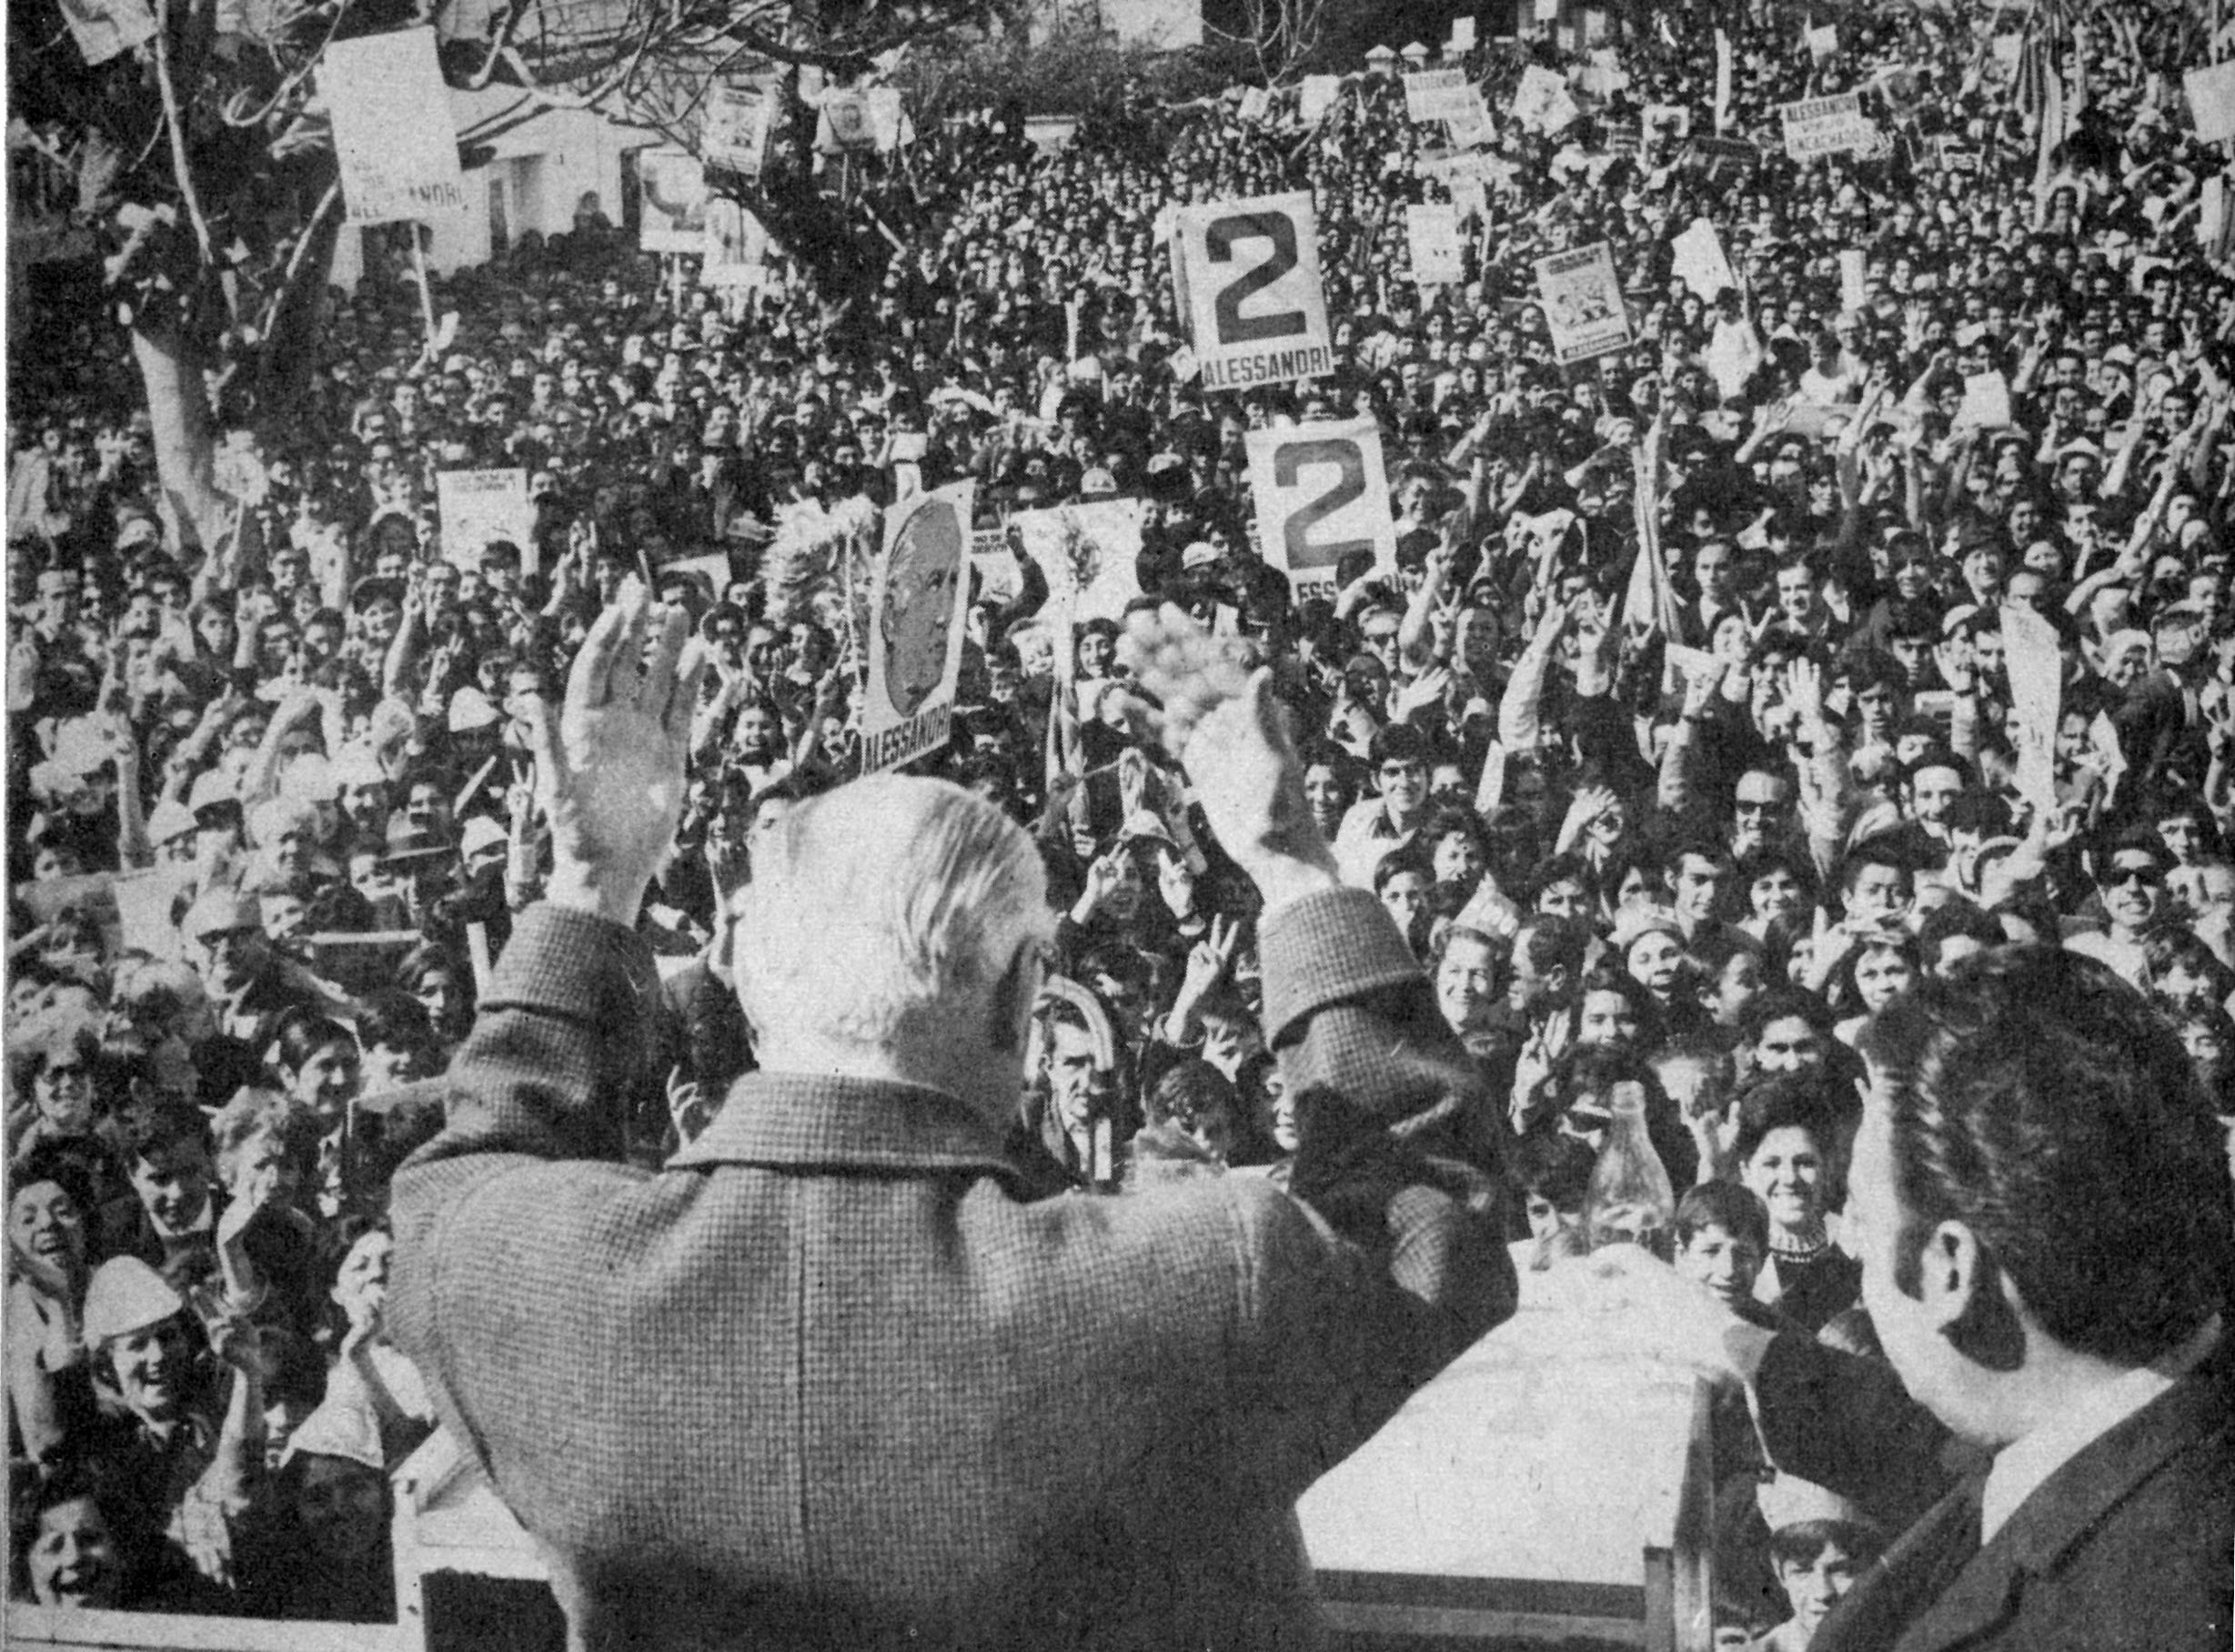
(2040, 1200)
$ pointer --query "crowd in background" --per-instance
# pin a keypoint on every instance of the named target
(1677, 857)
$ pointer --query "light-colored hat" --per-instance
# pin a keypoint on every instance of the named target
(1788, 1500)
(480, 833)
(126, 1296)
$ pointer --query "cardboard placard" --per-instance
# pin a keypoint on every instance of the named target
(672, 185)
(919, 602)
(1816, 127)
(733, 130)
(479, 507)
(1583, 303)
(1438, 250)
(1322, 493)
(393, 139)
(1247, 274)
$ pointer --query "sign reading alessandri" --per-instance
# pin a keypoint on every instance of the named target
(1248, 279)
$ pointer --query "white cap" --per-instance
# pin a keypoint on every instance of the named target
(126, 1296)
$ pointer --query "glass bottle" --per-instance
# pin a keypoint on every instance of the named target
(1629, 1199)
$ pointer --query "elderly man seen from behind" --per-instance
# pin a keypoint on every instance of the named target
(829, 1378)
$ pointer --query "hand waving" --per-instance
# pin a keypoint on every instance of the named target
(609, 766)
(1222, 722)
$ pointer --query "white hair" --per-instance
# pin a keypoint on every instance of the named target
(881, 908)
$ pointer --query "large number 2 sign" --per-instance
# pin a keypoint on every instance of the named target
(1219, 240)
(1247, 276)
(1288, 466)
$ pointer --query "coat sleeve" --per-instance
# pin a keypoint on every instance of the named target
(1395, 1261)
(1847, 1423)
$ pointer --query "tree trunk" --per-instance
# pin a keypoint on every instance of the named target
(186, 449)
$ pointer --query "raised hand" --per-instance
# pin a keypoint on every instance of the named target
(609, 765)
(1224, 724)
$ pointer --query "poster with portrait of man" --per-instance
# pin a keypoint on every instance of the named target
(1583, 304)
(918, 604)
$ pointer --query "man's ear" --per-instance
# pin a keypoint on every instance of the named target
(1971, 1300)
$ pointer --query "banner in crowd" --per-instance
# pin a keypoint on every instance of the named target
(2035, 666)
(919, 602)
(735, 247)
(1854, 278)
(479, 507)
(1583, 303)
(1824, 42)
(1315, 96)
(1437, 95)
(673, 186)
(1438, 251)
(1050, 134)
(1322, 493)
(1724, 66)
(1247, 273)
(1816, 127)
(733, 133)
(1700, 262)
(1462, 36)
(394, 140)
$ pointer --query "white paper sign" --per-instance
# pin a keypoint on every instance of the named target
(1699, 261)
(1050, 134)
(1090, 554)
(1322, 494)
(1316, 97)
(918, 605)
(674, 185)
(1824, 42)
(1435, 94)
(1986, 402)
(478, 507)
(1825, 125)
(1462, 36)
(393, 136)
(1437, 251)
(2211, 100)
(1248, 279)
(1583, 303)
(733, 133)
(1256, 104)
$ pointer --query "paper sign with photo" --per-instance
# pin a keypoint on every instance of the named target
(919, 604)
(1583, 303)
(673, 186)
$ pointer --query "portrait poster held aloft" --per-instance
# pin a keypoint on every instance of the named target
(918, 606)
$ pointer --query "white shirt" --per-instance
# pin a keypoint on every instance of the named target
(2021, 1467)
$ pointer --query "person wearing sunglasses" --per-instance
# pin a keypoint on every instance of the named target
(2129, 882)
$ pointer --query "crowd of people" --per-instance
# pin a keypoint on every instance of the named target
(273, 807)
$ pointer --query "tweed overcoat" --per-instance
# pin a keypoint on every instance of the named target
(831, 1379)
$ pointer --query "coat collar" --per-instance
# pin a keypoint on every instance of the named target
(2067, 1507)
(802, 1120)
